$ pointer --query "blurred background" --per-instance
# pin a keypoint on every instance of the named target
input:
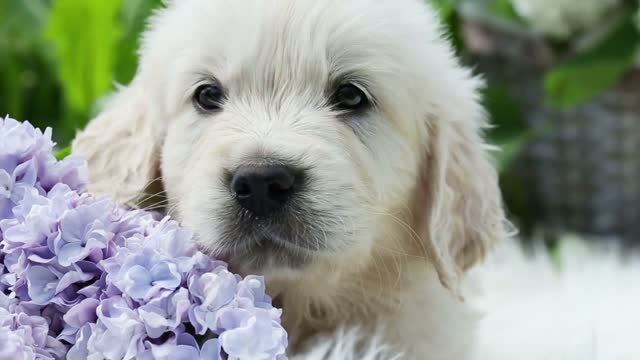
(563, 93)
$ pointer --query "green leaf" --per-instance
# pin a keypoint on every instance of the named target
(84, 34)
(591, 73)
(63, 153)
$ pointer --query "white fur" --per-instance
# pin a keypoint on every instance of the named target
(404, 196)
(347, 344)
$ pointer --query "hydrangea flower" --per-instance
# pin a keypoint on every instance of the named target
(562, 18)
(84, 278)
(84, 233)
(25, 337)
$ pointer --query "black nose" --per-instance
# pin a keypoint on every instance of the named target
(263, 190)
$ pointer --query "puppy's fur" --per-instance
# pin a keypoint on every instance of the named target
(401, 199)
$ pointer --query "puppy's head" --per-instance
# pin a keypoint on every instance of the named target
(298, 132)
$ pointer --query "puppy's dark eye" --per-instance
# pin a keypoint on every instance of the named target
(350, 97)
(209, 97)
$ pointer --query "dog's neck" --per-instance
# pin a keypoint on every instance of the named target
(321, 303)
(366, 296)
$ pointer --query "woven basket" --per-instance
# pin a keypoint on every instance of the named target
(584, 171)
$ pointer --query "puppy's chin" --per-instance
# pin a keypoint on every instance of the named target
(267, 256)
(287, 241)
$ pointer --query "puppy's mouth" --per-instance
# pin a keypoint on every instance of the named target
(261, 246)
(266, 254)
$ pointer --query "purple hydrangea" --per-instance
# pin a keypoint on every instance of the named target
(24, 336)
(82, 277)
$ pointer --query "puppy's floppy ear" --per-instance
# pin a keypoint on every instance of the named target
(122, 146)
(460, 202)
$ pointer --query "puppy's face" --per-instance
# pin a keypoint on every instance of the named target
(295, 132)
(291, 133)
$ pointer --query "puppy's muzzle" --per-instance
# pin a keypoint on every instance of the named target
(269, 219)
(264, 190)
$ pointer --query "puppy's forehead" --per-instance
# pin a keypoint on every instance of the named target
(291, 40)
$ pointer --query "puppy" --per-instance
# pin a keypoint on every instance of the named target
(334, 147)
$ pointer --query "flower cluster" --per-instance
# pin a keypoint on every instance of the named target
(83, 278)
(24, 336)
(561, 18)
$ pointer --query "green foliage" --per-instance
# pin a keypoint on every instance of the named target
(509, 130)
(85, 35)
(134, 16)
(25, 68)
(589, 74)
(58, 58)
(63, 153)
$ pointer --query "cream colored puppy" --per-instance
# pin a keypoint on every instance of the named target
(334, 146)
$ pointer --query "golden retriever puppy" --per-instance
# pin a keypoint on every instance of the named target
(333, 146)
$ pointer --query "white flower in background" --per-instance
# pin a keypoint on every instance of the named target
(561, 18)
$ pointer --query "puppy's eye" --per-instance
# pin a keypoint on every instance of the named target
(350, 97)
(209, 97)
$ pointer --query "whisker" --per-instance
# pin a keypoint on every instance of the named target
(415, 237)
